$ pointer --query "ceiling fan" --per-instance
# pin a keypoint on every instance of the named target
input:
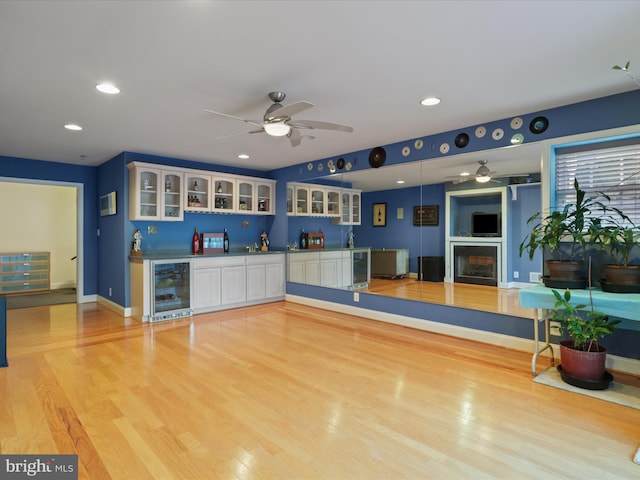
(483, 175)
(277, 120)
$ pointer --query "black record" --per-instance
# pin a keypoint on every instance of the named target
(538, 125)
(462, 140)
(377, 157)
(340, 163)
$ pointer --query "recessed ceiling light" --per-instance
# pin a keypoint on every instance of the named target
(400, 181)
(464, 174)
(73, 126)
(429, 101)
(108, 88)
(243, 156)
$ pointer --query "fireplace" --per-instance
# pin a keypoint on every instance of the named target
(477, 264)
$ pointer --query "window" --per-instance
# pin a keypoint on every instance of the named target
(611, 167)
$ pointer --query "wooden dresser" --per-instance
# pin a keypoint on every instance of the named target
(24, 272)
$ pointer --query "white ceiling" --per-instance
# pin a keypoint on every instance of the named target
(363, 64)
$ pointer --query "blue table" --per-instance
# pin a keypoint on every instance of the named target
(540, 298)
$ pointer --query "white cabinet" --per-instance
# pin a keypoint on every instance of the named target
(155, 193)
(144, 199)
(314, 200)
(332, 268)
(171, 197)
(231, 281)
(304, 267)
(265, 277)
(234, 283)
(207, 282)
(197, 190)
(350, 209)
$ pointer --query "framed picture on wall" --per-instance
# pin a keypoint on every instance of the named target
(425, 215)
(108, 204)
(379, 214)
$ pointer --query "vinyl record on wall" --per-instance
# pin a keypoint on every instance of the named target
(538, 125)
(377, 157)
(340, 163)
(462, 140)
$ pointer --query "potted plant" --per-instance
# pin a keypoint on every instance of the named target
(582, 358)
(617, 237)
(564, 234)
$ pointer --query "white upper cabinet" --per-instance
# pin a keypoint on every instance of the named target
(197, 190)
(165, 193)
(305, 199)
(154, 193)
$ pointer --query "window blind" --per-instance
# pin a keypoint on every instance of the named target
(612, 168)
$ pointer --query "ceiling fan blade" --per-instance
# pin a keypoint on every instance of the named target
(456, 181)
(238, 134)
(289, 110)
(294, 137)
(252, 122)
(320, 125)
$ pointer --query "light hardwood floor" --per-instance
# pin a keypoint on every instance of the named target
(286, 391)
(475, 297)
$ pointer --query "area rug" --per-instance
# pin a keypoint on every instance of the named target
(52, 297)
(616, 393)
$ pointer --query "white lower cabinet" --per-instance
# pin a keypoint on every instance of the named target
(265, 277)
(304, 267)
(325, 268)
(225, 282)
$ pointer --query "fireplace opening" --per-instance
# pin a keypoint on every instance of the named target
(476, 264)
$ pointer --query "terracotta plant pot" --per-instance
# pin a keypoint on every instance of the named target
(565, 269)
(622, 274)
(583, 365)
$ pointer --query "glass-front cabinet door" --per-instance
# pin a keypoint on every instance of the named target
(290, 199)
(197, 188)
(318, 200)
(172, 196)
(345, 212)
(302, 199)
(265, 202)
(223, 194)
(144, 201)
(333, 203)
(355, 208)
(245, 196)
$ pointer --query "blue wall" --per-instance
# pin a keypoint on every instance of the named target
(63, 172)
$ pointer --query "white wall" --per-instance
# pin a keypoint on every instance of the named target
(41, 218)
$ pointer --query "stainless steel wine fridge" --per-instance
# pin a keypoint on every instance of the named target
(172, 290)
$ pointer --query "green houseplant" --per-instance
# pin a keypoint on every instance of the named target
(582, 357)
(565, 235)
(617, 237)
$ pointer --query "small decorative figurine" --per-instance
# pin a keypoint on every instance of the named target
(265, 242)
(350, 242)
(137, 243)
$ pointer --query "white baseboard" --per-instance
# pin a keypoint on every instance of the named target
(114, 307)
(620, 364)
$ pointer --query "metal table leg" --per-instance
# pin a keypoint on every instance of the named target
(537, 312)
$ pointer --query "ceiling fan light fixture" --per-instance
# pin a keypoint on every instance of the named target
(277, 129)
(483, 178)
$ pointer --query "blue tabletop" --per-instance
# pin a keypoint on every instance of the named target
(621, 305)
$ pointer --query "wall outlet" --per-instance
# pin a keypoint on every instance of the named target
(535, 277)
(152, 229)
(356, 296)
(516, 274)
(554, 329)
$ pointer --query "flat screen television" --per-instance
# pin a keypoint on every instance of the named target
(486, 224)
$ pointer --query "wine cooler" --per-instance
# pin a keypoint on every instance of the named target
(172, 290)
